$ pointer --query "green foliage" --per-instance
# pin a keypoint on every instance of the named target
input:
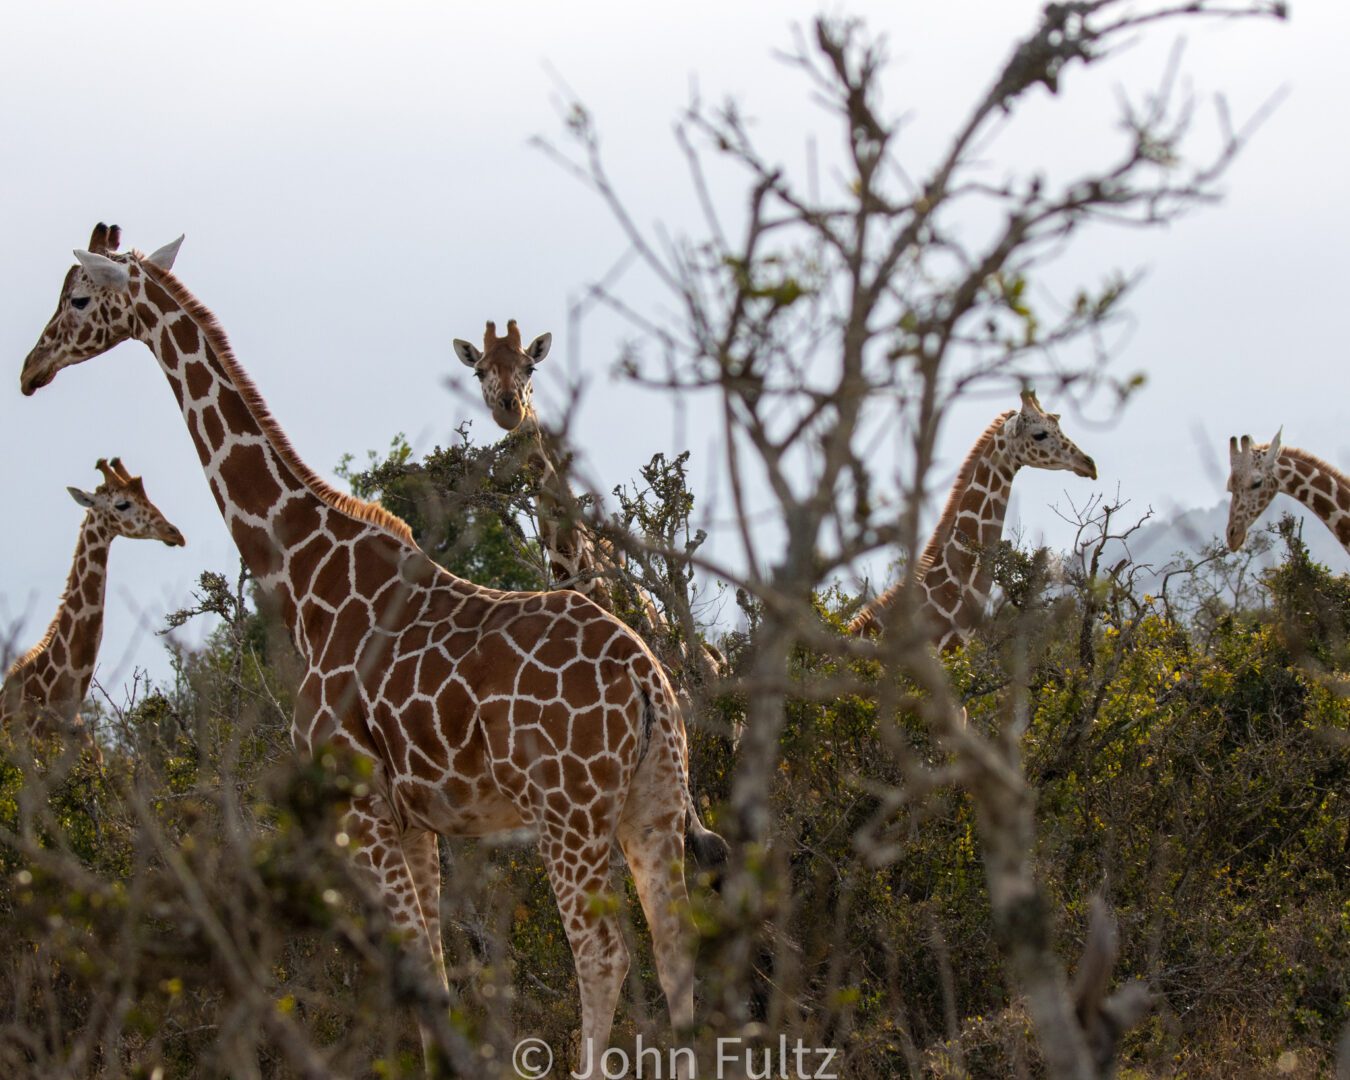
(465, 505)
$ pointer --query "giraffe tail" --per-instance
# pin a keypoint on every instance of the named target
(709, 850)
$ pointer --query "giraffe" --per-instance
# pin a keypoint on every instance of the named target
(954, 578)
(504, 369)
(48, 684)
(1257, 473)
(478, 710)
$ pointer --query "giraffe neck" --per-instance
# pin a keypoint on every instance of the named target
(953, 578)
(285, 521)
(55, 674)
(570, 550)
(954, 575)
(1319, 486)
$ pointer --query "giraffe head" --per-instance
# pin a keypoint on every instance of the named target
(503, 369)
(1035, 440)
(94, 311)
(1252, 480)
(122, 507)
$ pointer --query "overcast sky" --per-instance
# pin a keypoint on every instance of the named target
(357, 188)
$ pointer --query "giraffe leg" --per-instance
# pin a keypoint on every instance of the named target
(580, 877)
(651, 833)
(421, 849)
(380, 853)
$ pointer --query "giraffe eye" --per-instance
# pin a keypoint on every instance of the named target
(1256, 483)
(123, 505)
(1041, 436)
(79, 303)
(479, 375)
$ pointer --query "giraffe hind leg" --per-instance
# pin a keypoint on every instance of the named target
(579, 873)
(651, 833)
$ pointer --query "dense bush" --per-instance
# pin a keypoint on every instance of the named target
(188, 906)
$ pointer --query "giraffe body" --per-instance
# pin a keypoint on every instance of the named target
(478, 709)
(48, 684)
(1259, 472)
(953, 577)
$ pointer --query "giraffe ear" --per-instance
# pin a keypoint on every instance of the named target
(103, 271)
(1274, 451)
(82, 497)
(164, 257)
(468, 354)
(539, 347)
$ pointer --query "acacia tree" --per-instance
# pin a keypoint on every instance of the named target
(871, 301)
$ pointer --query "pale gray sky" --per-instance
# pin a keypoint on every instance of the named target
(357, 189)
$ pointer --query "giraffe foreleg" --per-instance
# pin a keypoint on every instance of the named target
(381, 855)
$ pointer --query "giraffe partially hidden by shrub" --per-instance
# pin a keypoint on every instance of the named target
(954, 576)
(48, 684)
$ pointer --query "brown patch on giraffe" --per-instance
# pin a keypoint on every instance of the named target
(185, 333)
(349, 627)
(296, 520)
(401, 682)
(376, 570)
(83, 648)
(256, 548)
(157, 296)
(333, 581)
(198, 380)
(538, 683)
(559, 647)
(594, 637)
(588, 733)
(213, 427)
(235, 414)
(1322, 506)
(1321, 482)
(605, 773)
(304, 561)
(245, 471)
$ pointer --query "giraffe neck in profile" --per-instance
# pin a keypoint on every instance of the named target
(55, 674)
(571, 552)
(953, 578)
(1317, 485)
(285, 521)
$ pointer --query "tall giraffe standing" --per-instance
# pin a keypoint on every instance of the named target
(955, 579)
(479, 710)
(48, 684)
(1257, 473)
(504, 369)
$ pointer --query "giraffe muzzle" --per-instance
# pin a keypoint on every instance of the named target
(35, 374)
(1088, 468)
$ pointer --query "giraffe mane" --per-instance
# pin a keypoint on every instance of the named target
(866, 619)
(1312, 459)
(369, 512)
(37, 650)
